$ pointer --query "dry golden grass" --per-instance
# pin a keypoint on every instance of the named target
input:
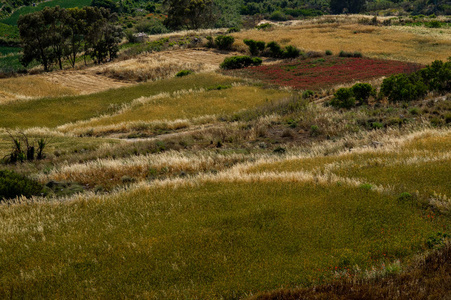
(187, 106)
(372, 41)
(28, 87)
(162, 65)
(83, 82)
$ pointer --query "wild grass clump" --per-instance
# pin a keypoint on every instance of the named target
(162, 237)
(13, 185)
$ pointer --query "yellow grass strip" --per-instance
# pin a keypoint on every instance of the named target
(28, 87)
(187, 106)
(372, 41)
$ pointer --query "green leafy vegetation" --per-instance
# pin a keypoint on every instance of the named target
(239, 62)
(13, 185)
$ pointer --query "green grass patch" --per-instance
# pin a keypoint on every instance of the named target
(51, 112)
(8, 32)
(223, 101)
(211, 241)
(12, 19)
(8, 50)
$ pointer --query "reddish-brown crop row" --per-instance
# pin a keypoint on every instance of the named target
(316, 73)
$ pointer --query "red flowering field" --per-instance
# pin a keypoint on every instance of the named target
(316, 73)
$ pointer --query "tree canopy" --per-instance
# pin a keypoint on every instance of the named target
(54, 35)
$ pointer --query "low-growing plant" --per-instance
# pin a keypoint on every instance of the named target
(224, 42)
(350, 54)
(314, 130)
(362, 92)
(328, 52)
(13, 185)
(274, 49)
(239, 62)
(255, 47)
(184, 73)
(291, 52)
(233, 29)
(343, 98)
(264, 26)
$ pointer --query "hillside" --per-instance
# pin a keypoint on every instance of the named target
(232, 184)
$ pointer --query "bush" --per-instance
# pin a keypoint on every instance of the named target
(224, 42)
(264, 26)
(437, 76)
(328, 52)
(401, 87)
(343, 98)
(239, 62)
(233, 29)
(350, 54)
(291, 52)
(278, 16)
(434, 24)
(274, 49)
(210, 43)
(184, 73)
(362, 92)
(255, 47)
(13, 185)
(152, 26)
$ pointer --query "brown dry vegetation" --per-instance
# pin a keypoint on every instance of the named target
(372, 41)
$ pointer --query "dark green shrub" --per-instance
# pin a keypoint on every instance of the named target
(255, 47)
(210, 43)
(377, 125)
(328, 52)
(402, 87)
(224, 42)
(264, 26)
(357, 54)
(239, 62)
(291, 52)
(274, 49)
(343, 98)
(233, 29)
(184, 73)
(362, 92)
(278, 16)
(437, 76)
(314, 130)
(434, 24)
(13, 185)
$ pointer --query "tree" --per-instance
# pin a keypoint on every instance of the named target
(55, 34)
(35, 42)
(351, 6)
(190, 14)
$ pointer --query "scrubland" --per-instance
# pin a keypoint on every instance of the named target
(219, 187)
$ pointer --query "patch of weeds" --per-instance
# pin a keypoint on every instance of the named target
(184, 73)
(314, 130)
(280, 150)
(366, 186)
(437, 241)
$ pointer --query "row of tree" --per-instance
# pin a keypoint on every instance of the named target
(55, 35)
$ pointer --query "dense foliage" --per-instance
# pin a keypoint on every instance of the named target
(238, 62)
(402, 87)
(56, 34)
(13, 185)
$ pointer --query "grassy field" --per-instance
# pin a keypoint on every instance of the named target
(12, 20)
(51, 112)
(190, 105)
(325, 72)
(225, 236)
(371, 41)
(217, 187)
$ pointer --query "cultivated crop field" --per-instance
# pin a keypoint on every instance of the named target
(317, 73)
(228, 184)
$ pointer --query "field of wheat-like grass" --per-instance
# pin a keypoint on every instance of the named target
(51, 112)
(371, 41)
(301, 220)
